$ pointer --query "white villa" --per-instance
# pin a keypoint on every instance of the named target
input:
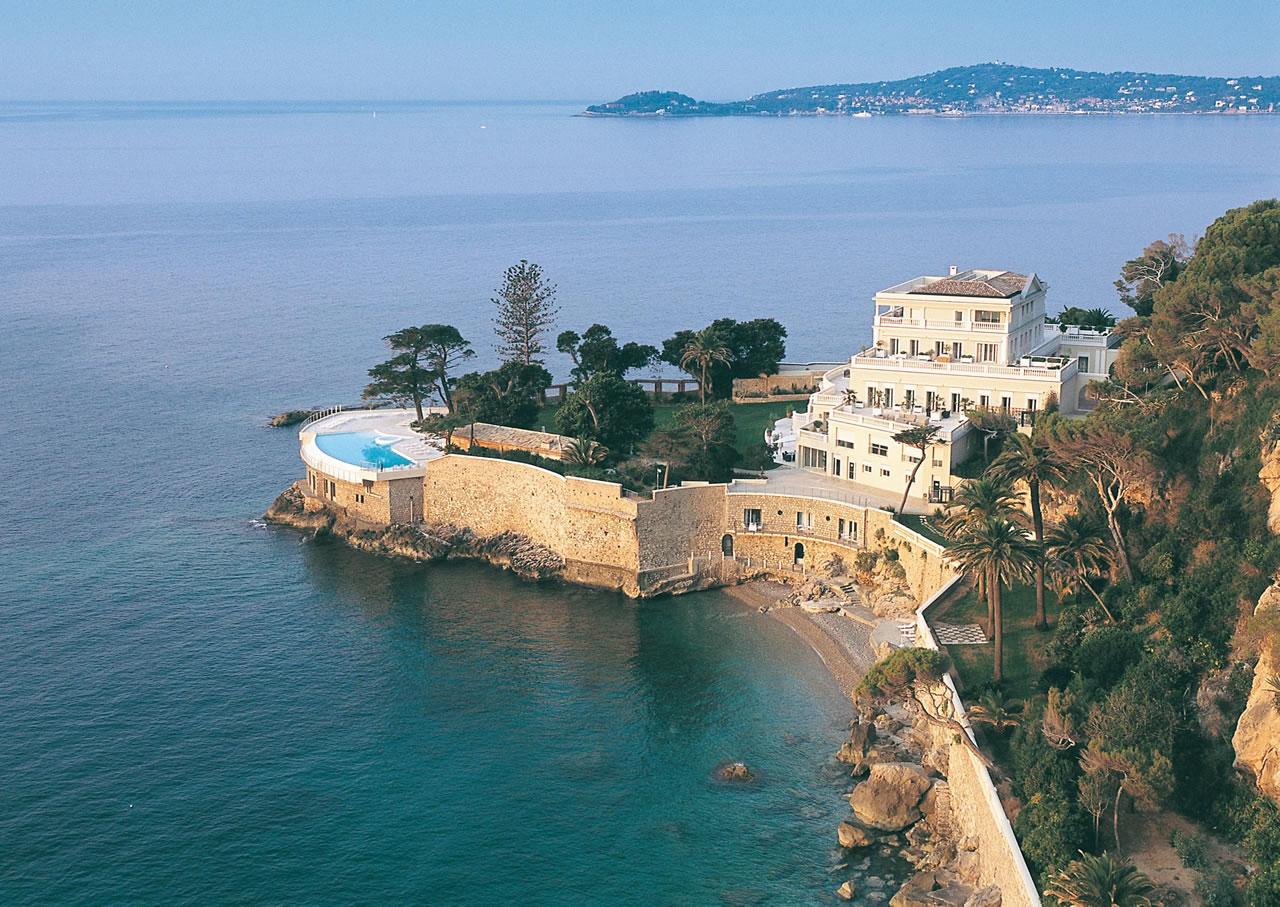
(942, 346)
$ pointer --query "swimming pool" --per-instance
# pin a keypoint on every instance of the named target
(367, 449)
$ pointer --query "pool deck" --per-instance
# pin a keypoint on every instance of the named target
(418, 449)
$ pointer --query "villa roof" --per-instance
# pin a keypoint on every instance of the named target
(990, 284)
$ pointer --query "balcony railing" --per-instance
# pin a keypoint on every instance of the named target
(1059, 369)
(782, 527)
(938, 324)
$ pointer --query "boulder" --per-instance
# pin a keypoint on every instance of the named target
(853, 836)
(968, 866)
(1257, 736)
(984, 897)
(736, 771)
(889, 799)
(914, 892)
(854, 751)
(847, 891)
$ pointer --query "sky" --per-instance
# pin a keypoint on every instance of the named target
(583, 50)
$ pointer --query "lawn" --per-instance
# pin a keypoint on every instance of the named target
(1024, 657)
(921, 525)
(749, 419)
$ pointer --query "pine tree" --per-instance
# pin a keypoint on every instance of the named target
(526, 311)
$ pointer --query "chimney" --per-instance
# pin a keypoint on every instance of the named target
(954, 270)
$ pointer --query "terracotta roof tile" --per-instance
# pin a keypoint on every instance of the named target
(999, 286)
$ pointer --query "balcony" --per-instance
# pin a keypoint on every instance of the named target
(1050, 367)
(898, 321)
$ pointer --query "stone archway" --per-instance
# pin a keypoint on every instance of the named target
(726, 545)
(799, 553)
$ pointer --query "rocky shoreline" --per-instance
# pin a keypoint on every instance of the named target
(426, 542)
(900, 798)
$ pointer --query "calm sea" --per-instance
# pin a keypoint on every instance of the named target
(195, 708)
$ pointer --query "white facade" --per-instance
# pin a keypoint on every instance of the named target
(941, 347)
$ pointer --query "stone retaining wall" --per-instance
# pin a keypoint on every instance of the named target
(975, 805)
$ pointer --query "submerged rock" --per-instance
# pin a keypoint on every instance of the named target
(847, 890)
(736, 771)
(290, 417)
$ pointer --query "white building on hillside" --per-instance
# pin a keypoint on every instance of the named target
(943, 346)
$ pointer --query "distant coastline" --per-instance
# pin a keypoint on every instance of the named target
(982, 90)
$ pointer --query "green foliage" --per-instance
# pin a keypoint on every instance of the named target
(1191, 847)
(509, 395)
(865, 561)
(699, 442)
(753, 348)
(1216, 888)
(526, 309)
(609, 410)
(1100, 881)
(1106, 652)
(596, 351)
(425, 357)
(900, 669)
(1050, 829)
(620, 476)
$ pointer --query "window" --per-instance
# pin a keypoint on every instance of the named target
(984, 400)
(804, 520)
(915, 348)
(751, 519)
(988, 352)
(880, 450)
(893, 346)
(835, 467)
(959, 317)
(888, 397)
(866, 469)
(359, 498)
(848, 530)
(955, 403)
(937, 464)
(1006, 403)
(813, 458)
(312, 476)
(957, 350)
(1082, 363)
(885, 473)
(1032, 403)
(912, 458)
(911, 397)
(984, 317)
(840, 442)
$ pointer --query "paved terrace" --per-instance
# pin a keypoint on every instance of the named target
(795, 481)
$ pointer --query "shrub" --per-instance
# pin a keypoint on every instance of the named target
(1105, 653)
(891, 555)
(901, 668)
(1192, 849)
(1051, 830)
(865, 561)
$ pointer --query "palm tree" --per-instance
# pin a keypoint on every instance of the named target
(1079, 548)
(1100, 881)
(851, 398)
(999, 549)
(997, 710)
(1024, 460)
(974, 503)
(704, 350)
(585, 452)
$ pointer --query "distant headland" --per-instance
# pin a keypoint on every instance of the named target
(987, 88)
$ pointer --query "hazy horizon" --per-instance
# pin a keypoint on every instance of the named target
(238, 50)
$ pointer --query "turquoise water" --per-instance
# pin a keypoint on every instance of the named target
(361, 448)
(196, 708)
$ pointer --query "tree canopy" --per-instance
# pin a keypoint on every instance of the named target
(425, 358)
(508, 395)
(754, 348)
(608, 410)
(596, 351)
(526, 310)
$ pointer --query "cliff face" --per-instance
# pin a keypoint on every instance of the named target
(1257, 737)
(1270, 477)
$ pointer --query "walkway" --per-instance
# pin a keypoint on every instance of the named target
(795, 481)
